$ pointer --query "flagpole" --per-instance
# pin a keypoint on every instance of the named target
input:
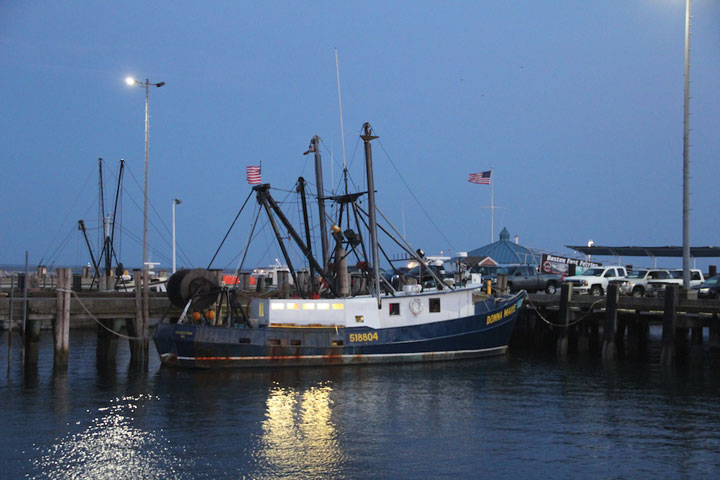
(492, 207)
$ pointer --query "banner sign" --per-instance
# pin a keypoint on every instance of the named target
(565, 265)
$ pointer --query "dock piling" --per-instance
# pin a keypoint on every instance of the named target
(667, 353)
(564, 319)
(609, 348)
(139, 330)
(61, 323)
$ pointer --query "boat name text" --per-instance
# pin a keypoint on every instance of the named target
(496, 317)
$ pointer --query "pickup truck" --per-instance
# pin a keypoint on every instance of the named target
(526, 277)
(657, 287)
(596, 280)
(636, 283)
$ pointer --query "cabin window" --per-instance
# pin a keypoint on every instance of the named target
(434, 305)
(338, 343)
(273, 341)
(243, 340)
(394, 309)
(359, 319)
(295, 342)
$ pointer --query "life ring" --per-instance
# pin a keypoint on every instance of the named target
(416, 306)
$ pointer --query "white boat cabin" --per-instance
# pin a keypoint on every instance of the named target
(408, 307)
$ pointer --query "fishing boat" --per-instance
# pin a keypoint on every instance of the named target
(320, 321)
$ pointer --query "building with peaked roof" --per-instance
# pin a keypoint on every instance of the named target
(504, 252)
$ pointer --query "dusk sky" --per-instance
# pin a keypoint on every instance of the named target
(576, 106)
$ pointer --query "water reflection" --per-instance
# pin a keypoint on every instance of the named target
(111, 446)
(298, 436)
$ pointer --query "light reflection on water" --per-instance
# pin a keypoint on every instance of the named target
(298, 435)
(111, 447)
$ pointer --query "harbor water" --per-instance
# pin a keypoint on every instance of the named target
(518, 416)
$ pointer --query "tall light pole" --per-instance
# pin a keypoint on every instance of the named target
(146, 84)
(176, 201)
(686, 155)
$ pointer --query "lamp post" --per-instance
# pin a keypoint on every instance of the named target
(146, 84)
(686, 155)
(176, 201)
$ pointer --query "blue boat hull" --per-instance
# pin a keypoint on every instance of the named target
(485, 333)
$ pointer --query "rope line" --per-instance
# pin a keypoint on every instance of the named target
(64, 290)
(575, 322)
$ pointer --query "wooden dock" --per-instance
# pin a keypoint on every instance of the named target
(615, 326)
(609, 327)
(42, 307)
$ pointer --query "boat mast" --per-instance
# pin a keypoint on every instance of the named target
(301, 191)
(315, 147)
(367, 138)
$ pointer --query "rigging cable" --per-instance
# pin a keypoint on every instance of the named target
(229, 229)
(59, 229)
(247, 246)
(416, 199)
(154, 226)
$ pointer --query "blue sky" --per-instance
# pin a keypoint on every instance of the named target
(577, 106)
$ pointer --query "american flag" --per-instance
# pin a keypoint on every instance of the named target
(483, 178)
(253, 175)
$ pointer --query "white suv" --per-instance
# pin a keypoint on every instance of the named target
(595, 280)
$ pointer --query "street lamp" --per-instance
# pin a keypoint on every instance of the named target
(176, 201)
(146, 84)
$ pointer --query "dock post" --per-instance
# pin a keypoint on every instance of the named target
(564, 320)
(139, 344)
(696, 345)
(667, 353)
(638, 332)
(609, 348)
(583, 337)
(107, 341)
(61, 324)
(32, 340)
(714, 341)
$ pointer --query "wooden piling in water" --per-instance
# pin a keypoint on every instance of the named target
(61, 323)
(138, 328)
(564, 316)
(637, 337)
(32, 340)
(107, 342)
(667, 353)
(609, 348)
(696, 345)
(583, 337)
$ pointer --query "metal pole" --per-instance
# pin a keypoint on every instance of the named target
(367, 138)
(147, 144)
(10, 316)
(321, 201)
(173, 233)
(686, 155)
(25, 304)
(492, 207)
